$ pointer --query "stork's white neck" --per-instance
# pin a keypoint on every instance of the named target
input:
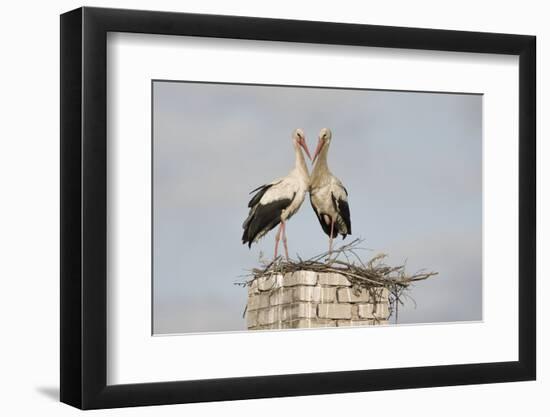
(321, 165)
(300, 162)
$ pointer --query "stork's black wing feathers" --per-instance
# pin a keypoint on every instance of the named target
(325, 227)
(262, 218)
(344, 212)
(342, 208)
(260, 193)
(258, 196)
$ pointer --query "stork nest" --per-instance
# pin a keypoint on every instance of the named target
(346, 261)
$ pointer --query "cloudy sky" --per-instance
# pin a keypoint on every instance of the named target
(410, 161)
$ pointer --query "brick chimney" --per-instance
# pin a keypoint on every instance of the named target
(305, 299)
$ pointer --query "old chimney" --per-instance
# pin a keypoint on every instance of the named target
(305, 299)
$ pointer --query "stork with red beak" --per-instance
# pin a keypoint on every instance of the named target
(276, 202)
(328, 196)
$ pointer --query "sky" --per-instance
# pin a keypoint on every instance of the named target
(411, 162)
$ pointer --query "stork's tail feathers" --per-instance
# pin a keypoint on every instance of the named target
(246, 232)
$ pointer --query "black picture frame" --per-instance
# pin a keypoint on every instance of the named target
(84, 207)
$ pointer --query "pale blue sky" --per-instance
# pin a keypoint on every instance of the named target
(410, 161)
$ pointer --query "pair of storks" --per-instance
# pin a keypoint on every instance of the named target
(276, 202)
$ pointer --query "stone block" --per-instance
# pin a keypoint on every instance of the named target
(381, 311)
(365, 311)
(272, 326)
(257, 301)
(269, 315)
(309, 324)
(280, 296)
(269, 282)
(349, 295)
(378, 311)
(351, 323)
(380, 295)
(329, 278)
(354, 311)
(334, 311)
(298, 311)
(314, 294)
(251, 319)
(253, 287)
(300, 278)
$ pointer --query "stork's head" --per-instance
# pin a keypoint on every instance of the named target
(299, 138)
(325, 136)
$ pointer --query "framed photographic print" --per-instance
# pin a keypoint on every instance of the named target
(257, 207)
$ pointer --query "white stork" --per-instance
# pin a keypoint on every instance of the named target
(276, 202)
(328, 196)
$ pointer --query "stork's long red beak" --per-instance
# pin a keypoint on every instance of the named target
(303, 144)
(318, 149)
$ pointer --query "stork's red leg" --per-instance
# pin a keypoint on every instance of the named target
(284, 239)
(277, 238)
